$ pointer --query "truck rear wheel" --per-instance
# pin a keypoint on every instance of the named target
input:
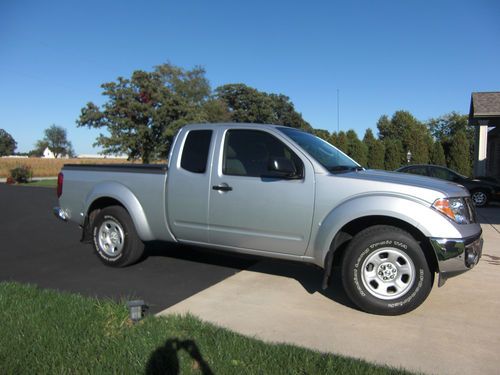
(385, 272)
(116, 242)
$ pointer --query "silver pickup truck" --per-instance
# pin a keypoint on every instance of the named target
(279, 192)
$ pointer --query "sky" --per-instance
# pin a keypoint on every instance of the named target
(374, 56)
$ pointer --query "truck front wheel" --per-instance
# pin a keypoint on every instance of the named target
(385, 272)
(116, 242)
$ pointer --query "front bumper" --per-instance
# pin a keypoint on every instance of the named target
(457, 255)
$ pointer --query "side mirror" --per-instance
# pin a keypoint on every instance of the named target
(281, 167)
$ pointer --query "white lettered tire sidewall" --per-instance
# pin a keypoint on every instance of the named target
(414, 270)
(119, 231)
(99, 249)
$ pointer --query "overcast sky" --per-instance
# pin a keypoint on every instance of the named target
(423, 56)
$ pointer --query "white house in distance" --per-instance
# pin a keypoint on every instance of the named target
(48, 154)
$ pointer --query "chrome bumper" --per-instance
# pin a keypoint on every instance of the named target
(456, 256)
(60, 214)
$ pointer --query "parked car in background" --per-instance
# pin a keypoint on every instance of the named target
(482, 190)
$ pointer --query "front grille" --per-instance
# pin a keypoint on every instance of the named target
(471, 208)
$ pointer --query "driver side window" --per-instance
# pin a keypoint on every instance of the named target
(247, 153)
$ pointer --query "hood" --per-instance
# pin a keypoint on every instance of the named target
(446, 188)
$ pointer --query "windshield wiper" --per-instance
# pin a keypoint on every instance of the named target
(345, 168)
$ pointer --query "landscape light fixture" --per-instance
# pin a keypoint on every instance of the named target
(408, 156)
(136, 310)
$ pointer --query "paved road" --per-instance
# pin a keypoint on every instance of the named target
(37, 248)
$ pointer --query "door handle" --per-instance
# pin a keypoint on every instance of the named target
(222, 187)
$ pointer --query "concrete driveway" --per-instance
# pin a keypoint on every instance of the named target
(455, 331)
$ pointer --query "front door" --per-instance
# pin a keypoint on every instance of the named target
(251, 209)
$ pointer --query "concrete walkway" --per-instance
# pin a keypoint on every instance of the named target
(455, 331)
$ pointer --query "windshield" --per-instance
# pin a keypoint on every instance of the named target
(327, 155)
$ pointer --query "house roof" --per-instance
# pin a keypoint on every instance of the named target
(485, 108)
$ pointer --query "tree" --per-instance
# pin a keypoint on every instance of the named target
(413, 135)
(419, 142)
(246, 104)
(394, 155)
(386, 129)
(437, 156)
(143, 113)
(40, 147)
(375, 149)
(7, 143)
(445, 127)
(322, 133)
(459, 158)
(355, 148)
(284, 113)
(56, 139)
(339, 140)
(376, 155)
(215, 110)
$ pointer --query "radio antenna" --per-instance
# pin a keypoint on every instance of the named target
(338, 110)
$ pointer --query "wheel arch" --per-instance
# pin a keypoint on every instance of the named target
(347, 219)
(350, 229)
(114, 194)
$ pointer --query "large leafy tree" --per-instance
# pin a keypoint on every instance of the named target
(445, 127)
(7, 143)
(56, 139)
(143, 112)
(246, 104)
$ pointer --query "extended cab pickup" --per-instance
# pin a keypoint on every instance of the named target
(279, 192)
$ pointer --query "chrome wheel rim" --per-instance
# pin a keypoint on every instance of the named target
(479, 198)
(388, 273)
(111, 238)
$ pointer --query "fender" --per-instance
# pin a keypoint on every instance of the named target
(127, 199)
(415, 212)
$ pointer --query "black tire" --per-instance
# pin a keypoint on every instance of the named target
(480, 198)
(115, 239)
(385, 272)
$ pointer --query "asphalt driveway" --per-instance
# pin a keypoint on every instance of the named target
(37, 248)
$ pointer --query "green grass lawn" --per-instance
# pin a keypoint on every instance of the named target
(46, 332)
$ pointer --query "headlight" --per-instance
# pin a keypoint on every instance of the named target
(454, 208)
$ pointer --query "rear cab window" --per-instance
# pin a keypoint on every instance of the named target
(195, 151)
